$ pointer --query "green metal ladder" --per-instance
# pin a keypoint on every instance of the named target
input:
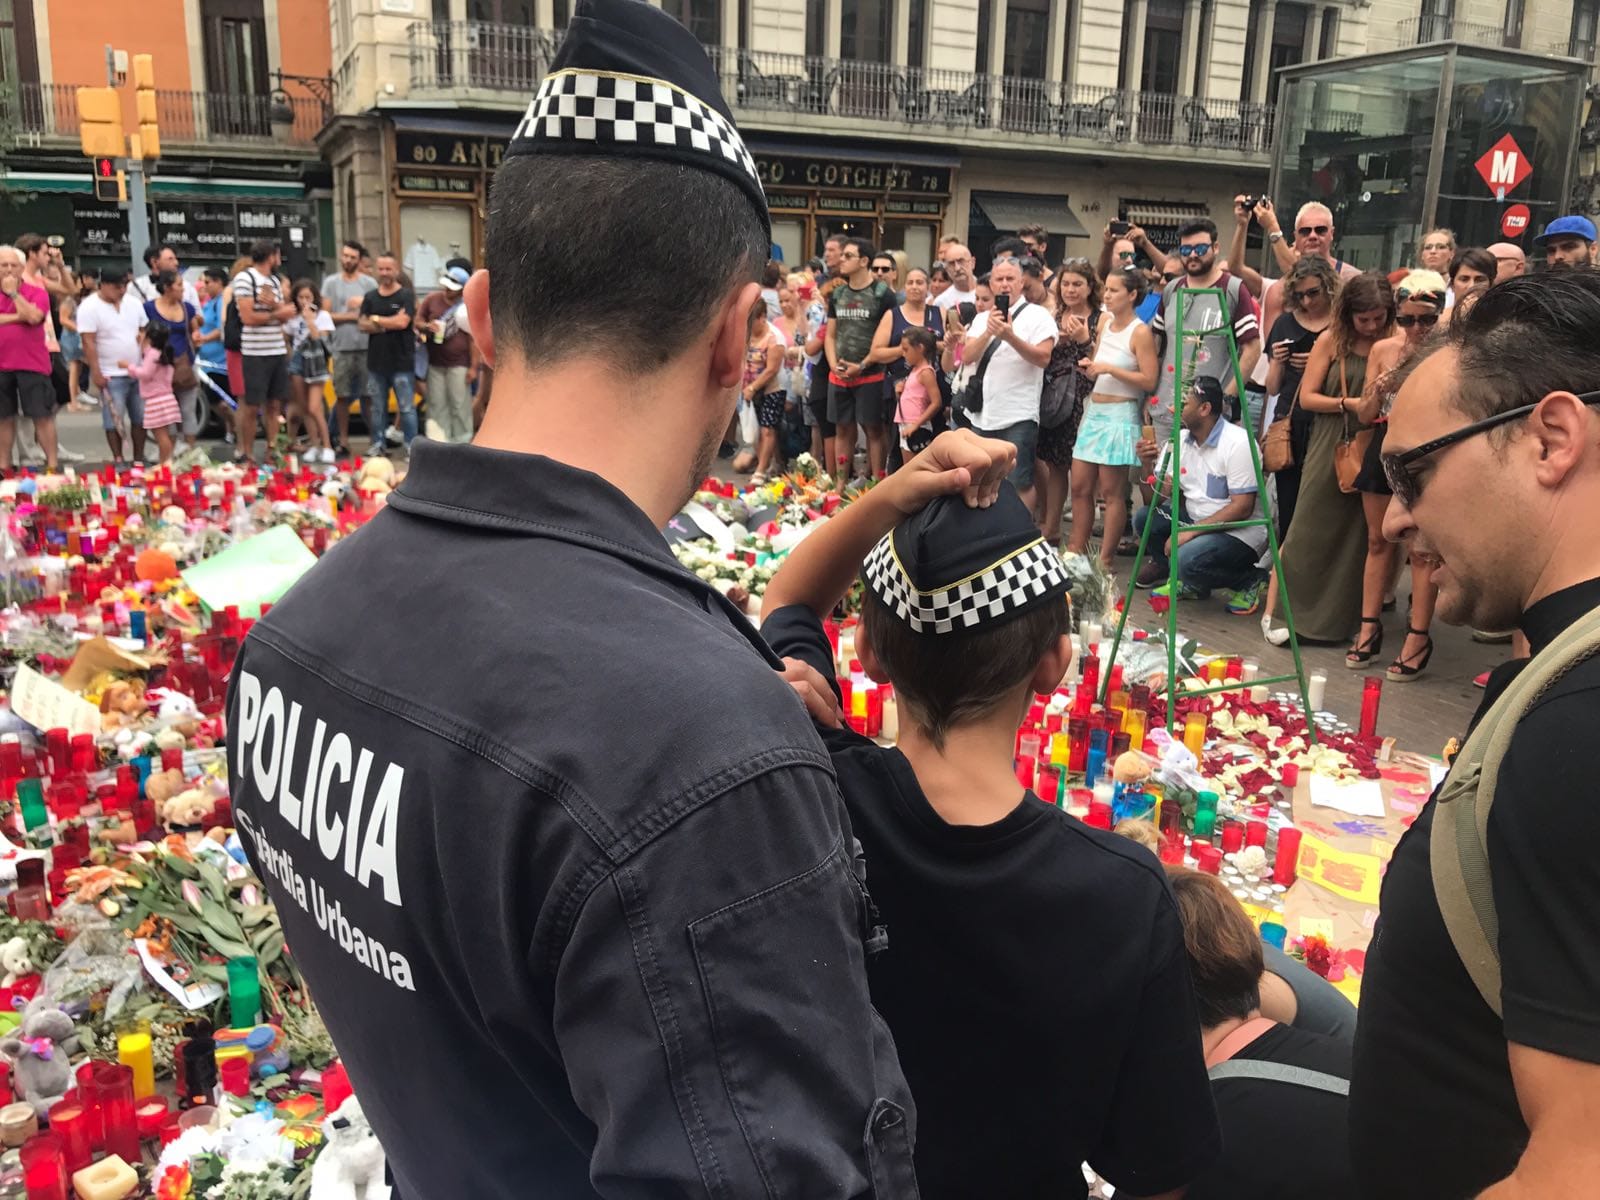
(1182, 378)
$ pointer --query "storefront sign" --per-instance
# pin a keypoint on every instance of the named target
(460, 185)
(101, 228)
(788, 170)
(198, 229)
(919, 208)
(788, 200)
(1504, 167)
(847, 204)
(448, 150)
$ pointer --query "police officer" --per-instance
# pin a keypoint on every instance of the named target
(555, 844)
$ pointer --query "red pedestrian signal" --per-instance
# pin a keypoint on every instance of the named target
(108, 181)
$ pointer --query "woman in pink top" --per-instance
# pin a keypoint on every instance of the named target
(154, 374)
(24, 359)
(920, 400)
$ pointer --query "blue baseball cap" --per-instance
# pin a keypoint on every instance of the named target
(1567, 227)
(454, 279)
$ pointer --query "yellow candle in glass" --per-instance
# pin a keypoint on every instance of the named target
(1133, 725)
(1217, 670)
(1060, 749)
(134, 1052)
(1194, 732)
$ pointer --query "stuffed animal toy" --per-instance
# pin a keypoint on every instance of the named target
(350, 1166)
(187, 810)
(1131, 767)
(121, 703)
(16, 960)
(163, 785)
(41, 1072)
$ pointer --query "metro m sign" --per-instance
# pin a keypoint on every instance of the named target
(1504, 167)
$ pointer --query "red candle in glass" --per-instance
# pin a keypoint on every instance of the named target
(1099, 815)
(44, 1167)
(1291, 774)
(1209, 859)
(169, 1130)
(336, 1087)
(150, 1115)
(1371, 694)
(1172, 847)
(58, 744)
(113, 1085)
(235, 1074)
(1052, 723)
(1091, 675)
(1255, 833)
(1025, 770)
(1114, 684)
(1284, 866)
(69, 1121)
(1077, 745)
(1049, 784)
(1232, 837)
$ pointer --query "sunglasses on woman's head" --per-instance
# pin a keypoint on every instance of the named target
(1403, 475)
(1426, 320)
(1308, 230)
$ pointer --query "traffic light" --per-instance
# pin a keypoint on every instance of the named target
(144, 83)
(109, 183)
(100, 121)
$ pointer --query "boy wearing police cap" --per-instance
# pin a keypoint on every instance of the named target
(1035, 977)
(570, 878)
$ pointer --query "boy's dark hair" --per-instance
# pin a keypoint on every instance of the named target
(917, 335)
(1223, 947)
(944, 681)
(151, 253)
(864, 248)
(1203, 225)
(553, 216)
(1037, 232)
(1009, 246)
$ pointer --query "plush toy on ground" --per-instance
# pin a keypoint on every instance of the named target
(41, 1071)
(16, 961)
(350, 1166)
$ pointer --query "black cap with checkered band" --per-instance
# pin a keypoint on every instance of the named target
(953, 569)
(629, 81)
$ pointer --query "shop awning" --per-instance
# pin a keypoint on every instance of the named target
(1162, 213)
(492, 127)
(1010, 211)
(161, 185)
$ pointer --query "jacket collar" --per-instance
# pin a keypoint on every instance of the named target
(531, 494)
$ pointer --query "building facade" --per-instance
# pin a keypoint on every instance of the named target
(903, 120)
(243, 87)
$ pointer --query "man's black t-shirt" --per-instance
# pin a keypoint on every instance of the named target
(394, 350)
(1035, 982)
(1432, 1108)
(1282, 1139)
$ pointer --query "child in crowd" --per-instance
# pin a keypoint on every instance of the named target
(308, 368)
(1034, 976)
(154, 373)
(919, 399)
(763, 358)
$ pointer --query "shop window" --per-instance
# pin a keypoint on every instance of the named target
(429, 235)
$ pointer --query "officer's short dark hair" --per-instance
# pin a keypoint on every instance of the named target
(554, 217)
(944, 681)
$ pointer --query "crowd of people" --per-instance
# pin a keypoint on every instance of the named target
(161, 355)
(1075, 366)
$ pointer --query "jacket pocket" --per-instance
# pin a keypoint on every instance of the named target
(888, 1145)
(802, 1055)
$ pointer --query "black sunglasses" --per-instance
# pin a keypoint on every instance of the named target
(1308, 293)
(1308, 230)
(877, 270)
(1426, 320)
(1169, 276)
(1400, 471)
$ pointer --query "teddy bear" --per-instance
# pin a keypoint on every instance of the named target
(163, 785)
(187, 810)
(41, 1071)
(377, 477)
(16, 961)
(351, 1164)
(121, 703)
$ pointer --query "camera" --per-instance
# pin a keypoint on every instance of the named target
(1118, 228)
(968, 311)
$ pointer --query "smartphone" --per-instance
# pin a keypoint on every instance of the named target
(1118, 228)
(1002, 302)
(968, 312)
(1147, 432)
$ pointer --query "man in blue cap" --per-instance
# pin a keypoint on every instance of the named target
(1568, 242)
(570, 876)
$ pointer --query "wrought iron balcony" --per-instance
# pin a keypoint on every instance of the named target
(46, 112)
(455, 58)
(1416, 31)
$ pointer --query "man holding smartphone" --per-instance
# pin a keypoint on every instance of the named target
(1022, 336)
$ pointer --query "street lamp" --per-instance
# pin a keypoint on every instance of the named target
(280, 110)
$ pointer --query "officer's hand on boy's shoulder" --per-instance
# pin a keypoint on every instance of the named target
(821, 704)
(957, 461)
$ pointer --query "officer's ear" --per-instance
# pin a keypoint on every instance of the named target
(730, 335)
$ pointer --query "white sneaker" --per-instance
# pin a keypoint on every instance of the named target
(66, 455)
(394, 435)
(376, 450)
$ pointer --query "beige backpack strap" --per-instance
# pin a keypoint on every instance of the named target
(1459, 845)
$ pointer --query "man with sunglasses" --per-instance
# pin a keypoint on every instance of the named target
(1037, 241)
(1313, 234)
(1493, 454)
(855, 381)
(1197, 248)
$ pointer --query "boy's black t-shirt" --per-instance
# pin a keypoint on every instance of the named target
(1281, 1139)
(1035, 983)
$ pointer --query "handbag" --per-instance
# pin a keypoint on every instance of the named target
(1277, 451)
(183, 375)
(1351, 452)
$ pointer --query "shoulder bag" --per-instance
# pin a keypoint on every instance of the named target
(967, 390)
(1351, 452)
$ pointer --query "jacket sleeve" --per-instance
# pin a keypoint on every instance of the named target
(711, 1006)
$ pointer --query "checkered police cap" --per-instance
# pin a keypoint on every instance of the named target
(629, 81)
(954, 569)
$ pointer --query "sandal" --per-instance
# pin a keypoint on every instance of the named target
(1400, 671)
(1364, 651)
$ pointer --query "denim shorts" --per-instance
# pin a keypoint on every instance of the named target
(1024, 435)
(120, 398)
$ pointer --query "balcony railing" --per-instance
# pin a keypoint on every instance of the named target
(1415, 31)
(470, 55)
(49, 111)
(1579, 48)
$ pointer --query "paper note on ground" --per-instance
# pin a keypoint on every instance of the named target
(45, 704)
(1354, 876)
(1359, 798)
(193, 996)
(256, 571)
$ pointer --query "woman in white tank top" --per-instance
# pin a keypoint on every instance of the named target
(1124, 373)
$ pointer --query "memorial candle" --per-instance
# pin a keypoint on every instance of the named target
(1371, 694)
(1232, 837)
(134, 1052)
(113, 1084)
(1133, 722)
(1284, 865)
(44, 1168)
(1316, 691)
(69, 1120)
(1255, 833)
(1194, 732)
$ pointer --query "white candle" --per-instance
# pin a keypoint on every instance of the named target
(1248, 670)
(1091, 636)
(1316, 687)
(1258, 694)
